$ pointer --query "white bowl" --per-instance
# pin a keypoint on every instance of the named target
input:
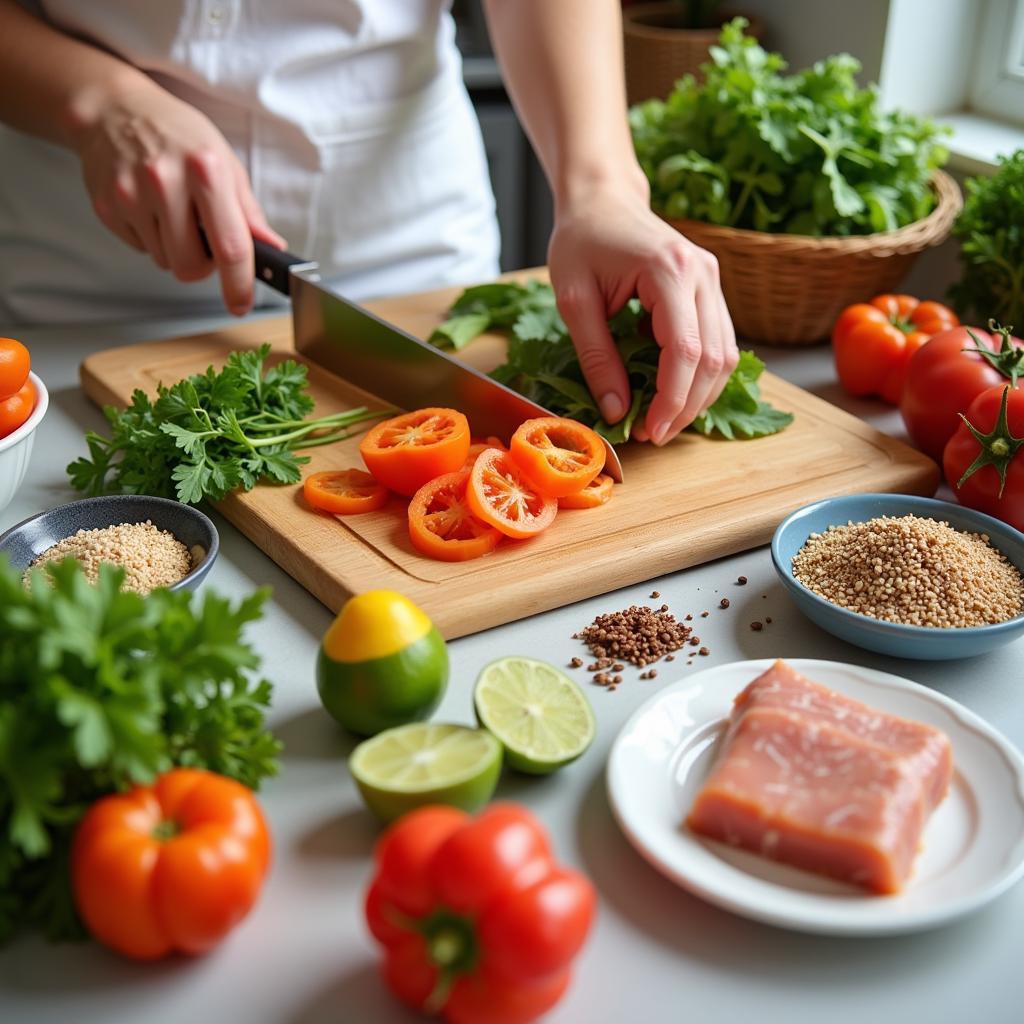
(16, 447)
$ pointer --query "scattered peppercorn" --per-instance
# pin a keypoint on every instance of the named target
(576, 662)
(670, 657)
(704, 615)
(704, 652)
(618, 666)
(655, 593)
(742, 581)
(768, 620)
(724, 603)
(757, 626)
(637, 635)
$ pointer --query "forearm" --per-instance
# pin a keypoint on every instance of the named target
(562, 63)
(51, 84)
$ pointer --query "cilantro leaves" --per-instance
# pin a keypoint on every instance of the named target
(542, 364)
(808, 153)
(210, 433)
(101, 688)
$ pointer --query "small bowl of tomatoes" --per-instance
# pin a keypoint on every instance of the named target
(23, 403)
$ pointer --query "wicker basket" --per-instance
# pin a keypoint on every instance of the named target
(789, 289)
(657, 54)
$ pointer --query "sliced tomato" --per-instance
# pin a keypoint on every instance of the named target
(405, 452)
(501, 496)
(344, 492)
(597, 492)
(441, 524)
(479, 446)
(557, 455)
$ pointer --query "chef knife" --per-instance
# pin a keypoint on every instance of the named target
(385, 360)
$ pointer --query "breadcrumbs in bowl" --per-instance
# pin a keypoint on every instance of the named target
(158, 541)
(907, 576)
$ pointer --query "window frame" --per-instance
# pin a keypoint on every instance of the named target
(997, 84)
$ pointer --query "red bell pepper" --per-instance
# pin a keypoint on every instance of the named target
(477, 921)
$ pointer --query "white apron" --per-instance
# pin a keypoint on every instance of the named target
(349, 115)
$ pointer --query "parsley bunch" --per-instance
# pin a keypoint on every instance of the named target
(992, 246)
(542, 363)
(101, 688)
(211, 433)
(808, 153)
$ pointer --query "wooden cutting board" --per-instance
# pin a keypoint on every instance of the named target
(693, 501)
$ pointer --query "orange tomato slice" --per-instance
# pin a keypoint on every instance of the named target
(501, 496)
(480, 446)
(405, 452)
(596, 493)
(441, 525)
(558, 456)
(344, 492)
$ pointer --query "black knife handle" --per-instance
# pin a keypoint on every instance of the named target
(272, 266)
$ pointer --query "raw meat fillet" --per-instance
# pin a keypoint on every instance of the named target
(813, 779)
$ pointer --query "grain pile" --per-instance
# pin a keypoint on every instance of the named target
(151, 557)
(911, 570)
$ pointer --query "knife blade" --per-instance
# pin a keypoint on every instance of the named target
(388, 362)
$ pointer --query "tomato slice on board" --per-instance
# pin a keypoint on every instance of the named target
(479, 446)
(442, 526)
(559, 456)
(344, 492)
(405, 452)
(596, 493)
(500, 495)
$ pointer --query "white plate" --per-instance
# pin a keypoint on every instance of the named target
(973, 846)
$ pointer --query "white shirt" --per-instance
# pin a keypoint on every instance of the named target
(349, 115)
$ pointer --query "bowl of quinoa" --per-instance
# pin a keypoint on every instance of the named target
(903, 575)
(158, 542)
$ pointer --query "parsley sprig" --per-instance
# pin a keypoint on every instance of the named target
(542, 364)
(212, 432)
(99, 689)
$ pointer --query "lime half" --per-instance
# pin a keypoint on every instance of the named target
(540, 715)
(426, 763)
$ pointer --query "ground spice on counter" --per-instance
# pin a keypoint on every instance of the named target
(912, 570)
(151, 557)
(638, 635)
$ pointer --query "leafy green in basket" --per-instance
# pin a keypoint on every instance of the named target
(542, 363)
(210, 433)
(99, 689)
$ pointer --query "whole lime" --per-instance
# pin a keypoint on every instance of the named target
(382, 663)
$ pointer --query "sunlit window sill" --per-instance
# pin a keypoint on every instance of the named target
(979, 139)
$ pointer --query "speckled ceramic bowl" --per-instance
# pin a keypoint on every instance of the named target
(922, 642)
(16, 447)
(23, 543)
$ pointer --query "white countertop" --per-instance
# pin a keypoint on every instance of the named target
(656, 954)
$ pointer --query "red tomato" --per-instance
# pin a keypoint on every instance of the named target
(559, 456)
(172, 867)
(344, 492)
(14, 366)
(945, 376)
(405, 452)
(441, 525)
(501, 496)
(985, 465)
(874, 342)
(14, 411)
(476, 919)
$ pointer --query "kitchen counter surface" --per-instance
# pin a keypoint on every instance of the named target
(656, 955)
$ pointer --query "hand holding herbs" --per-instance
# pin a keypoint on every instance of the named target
(211, 433)
(542, 363)
(101, 689)
(807, 154)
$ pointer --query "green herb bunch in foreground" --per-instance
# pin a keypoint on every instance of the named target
(210, 433)
(808, 153)
(542, 362)
(100, 689)
(991, 229)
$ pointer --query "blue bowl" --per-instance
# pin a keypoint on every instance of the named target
(923, 642)
(26, 541)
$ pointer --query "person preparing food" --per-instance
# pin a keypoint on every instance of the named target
(346, 130)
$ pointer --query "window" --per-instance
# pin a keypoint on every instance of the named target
(997, 76)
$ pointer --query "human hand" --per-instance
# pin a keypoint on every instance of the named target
(608, 247)
(159, 173)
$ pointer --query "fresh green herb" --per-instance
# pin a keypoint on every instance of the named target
(542, 363)
(991, 229)
(101, 688)
(809, 153)
(211, 433)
